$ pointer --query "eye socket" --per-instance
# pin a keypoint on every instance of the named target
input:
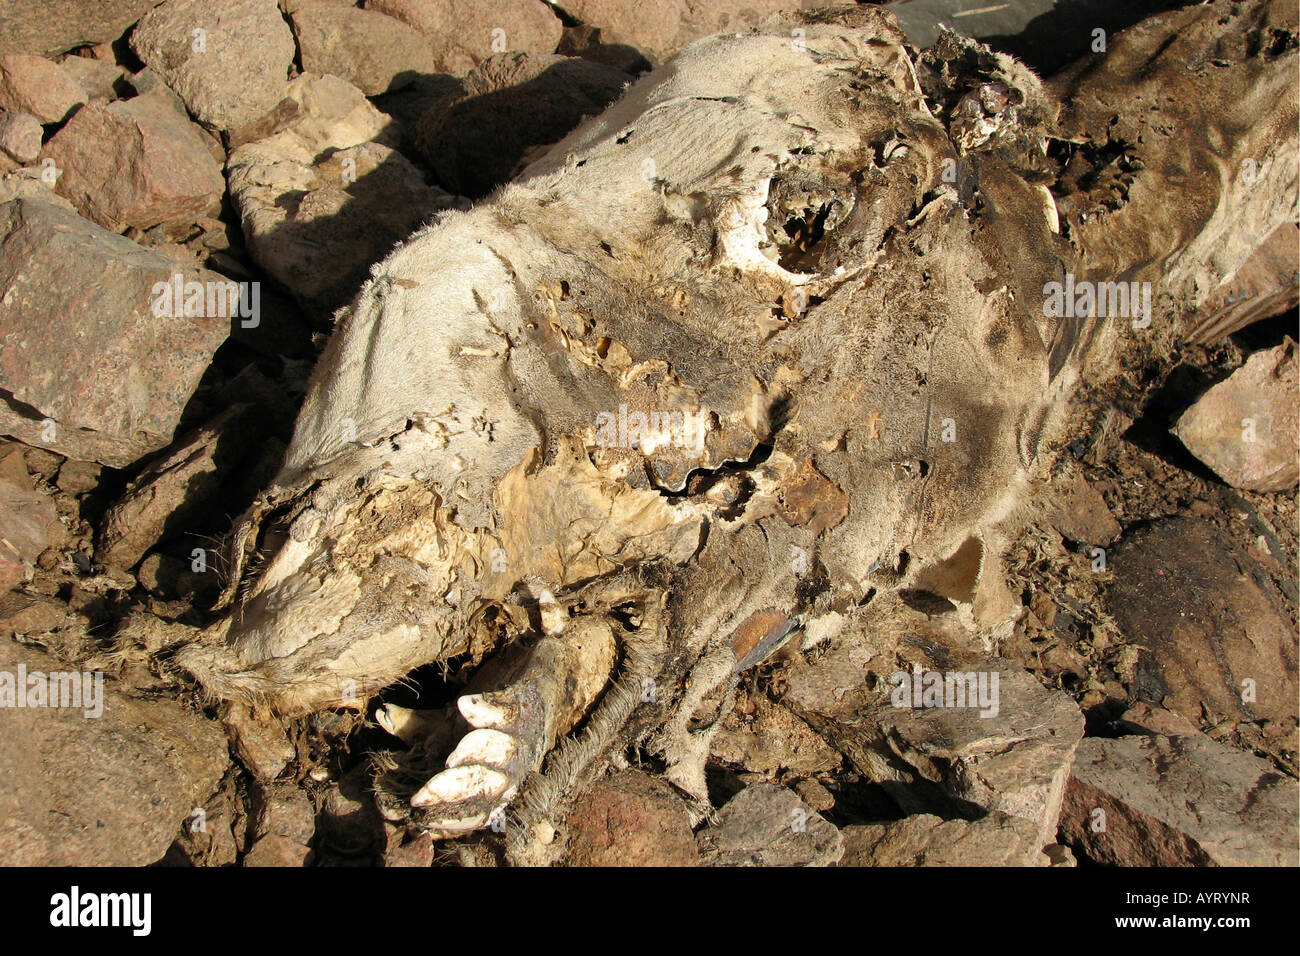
(911, 469)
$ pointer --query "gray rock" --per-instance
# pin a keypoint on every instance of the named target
(373, 52)
(320, 202)
(87, 369)
(1179, 801)
(108, 791)
(232, 72)
(768, 825)
(927, 840)
(98, 79)
(176, 489)
(1015, 761)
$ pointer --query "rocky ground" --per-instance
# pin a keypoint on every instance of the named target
(292, 145)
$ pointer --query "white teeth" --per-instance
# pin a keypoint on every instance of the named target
(489, 747)
(396, 720)
(553, 616)
(481, 712)
(463, 824)
(462, 783)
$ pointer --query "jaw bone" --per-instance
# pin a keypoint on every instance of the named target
(759, 238)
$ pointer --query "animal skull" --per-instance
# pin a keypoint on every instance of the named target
(764, 338)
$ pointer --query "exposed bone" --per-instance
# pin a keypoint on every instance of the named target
(832, 256)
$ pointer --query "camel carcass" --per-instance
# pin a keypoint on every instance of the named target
(794, 322)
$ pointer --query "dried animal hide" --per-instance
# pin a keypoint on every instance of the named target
(765, 338)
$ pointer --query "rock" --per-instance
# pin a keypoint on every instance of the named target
(1213, 632)
(169, 577)
(29, 522)
(49, 27)
(350, 820)
(231, 73)
(771, 741)
(631, 819)
(20, 136)
(1060, 855)
(288, 811)
(98, 79)
(106, 791)
(474, 139)
(135, 163)
(1178, 801)
(213, 836)
(926, 840)
(148, 81)
(78, 477)
(660, 29)
(320, 203)
(815, 795)
(768, 825)
(1015, 760)
(651, 28)
(33, 84)
(274, 850)
(76, 304)
(463, 33)
(373, 52)
(27, 183)
(261, 745)
(1079, 512)
(1247, 428)
(176, 489)
(1144, 719)
(415, 852)
(287, 824)
(407, 105)
(31, 615)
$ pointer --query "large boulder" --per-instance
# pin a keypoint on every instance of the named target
(109, 782)
(320, 201)
(136, 162)
(1214, 637)
(49, 27)
(1247, 428)
(86, 367)
(373, 52)
(33, 84)
(1178, 801)
(228, 63)
(463, 33)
